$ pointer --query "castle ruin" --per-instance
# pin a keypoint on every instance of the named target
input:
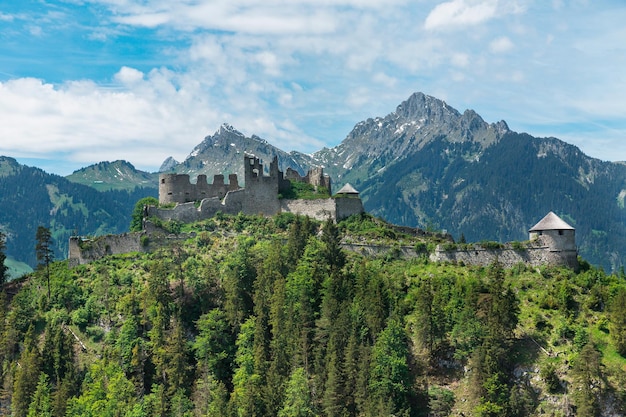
(551, 241)
(261, 195)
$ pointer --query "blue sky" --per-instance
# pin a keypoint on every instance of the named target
(83, 81)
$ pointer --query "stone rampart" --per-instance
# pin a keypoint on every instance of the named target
(507, 255)
(241, 202)
(85, 250)
(320, 209)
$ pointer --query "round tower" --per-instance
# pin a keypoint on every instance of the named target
(554, 233)
(174, 188)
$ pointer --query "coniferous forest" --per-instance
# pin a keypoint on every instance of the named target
(255, 316)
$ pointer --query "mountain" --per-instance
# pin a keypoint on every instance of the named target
(222, 153)
(375, 144)
(168, 165)
(117, 175)
(30, 197)
(426, 164)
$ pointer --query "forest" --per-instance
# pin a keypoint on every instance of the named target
(256, 316)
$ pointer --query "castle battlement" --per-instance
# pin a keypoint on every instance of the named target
(177, 188)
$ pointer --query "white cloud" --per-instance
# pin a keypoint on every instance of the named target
(460, 60)
(500, 45)
(128, 76)
(457, 14)
(295, 71)
(460, 13)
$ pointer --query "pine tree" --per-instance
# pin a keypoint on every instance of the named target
(588, 381)
(43, 250)
(41, 405)
(617, 320)
(26, 376)
(214, 346)
(390, 379)
(297, 396)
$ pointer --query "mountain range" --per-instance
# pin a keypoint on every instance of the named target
(427, 165)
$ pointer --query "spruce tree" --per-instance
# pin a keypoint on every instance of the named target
(43, 250)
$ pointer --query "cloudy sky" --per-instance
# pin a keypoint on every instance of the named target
(83, 81)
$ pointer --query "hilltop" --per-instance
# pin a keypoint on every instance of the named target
(116, 175)
(268, 316)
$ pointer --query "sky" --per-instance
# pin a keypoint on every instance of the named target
(84, 81)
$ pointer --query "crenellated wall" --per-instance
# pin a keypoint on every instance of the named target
(177, 188)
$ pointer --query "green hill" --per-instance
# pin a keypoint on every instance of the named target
(270, 317)
(117, 175)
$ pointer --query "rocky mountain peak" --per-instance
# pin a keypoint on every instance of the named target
(168, 164)
(226, 128)
(420, 106)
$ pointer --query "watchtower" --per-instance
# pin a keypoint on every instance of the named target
(555, 233)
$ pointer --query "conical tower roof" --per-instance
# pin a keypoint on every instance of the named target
(551, 222)
(347, 189)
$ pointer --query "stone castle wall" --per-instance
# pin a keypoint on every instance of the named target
(241, 202)
(85, 250)
(508, 256)
(82, 250)
(177, 188)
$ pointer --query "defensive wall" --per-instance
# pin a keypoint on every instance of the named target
(535, 253)
(551, 241)
(239, 202)
(508, 255)
(84, 250)
(177, 188)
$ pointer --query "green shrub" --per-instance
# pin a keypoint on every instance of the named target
(487, 244)
(421, 247)
(304, 191)
(80, 318)
(520, 246)
(96, 333)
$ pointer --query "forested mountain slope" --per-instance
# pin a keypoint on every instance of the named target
(427, 165)
(270, 317)
(30, 197)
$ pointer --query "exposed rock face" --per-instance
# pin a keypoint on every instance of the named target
(168, 165)
(416, 122)
(221, 153)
